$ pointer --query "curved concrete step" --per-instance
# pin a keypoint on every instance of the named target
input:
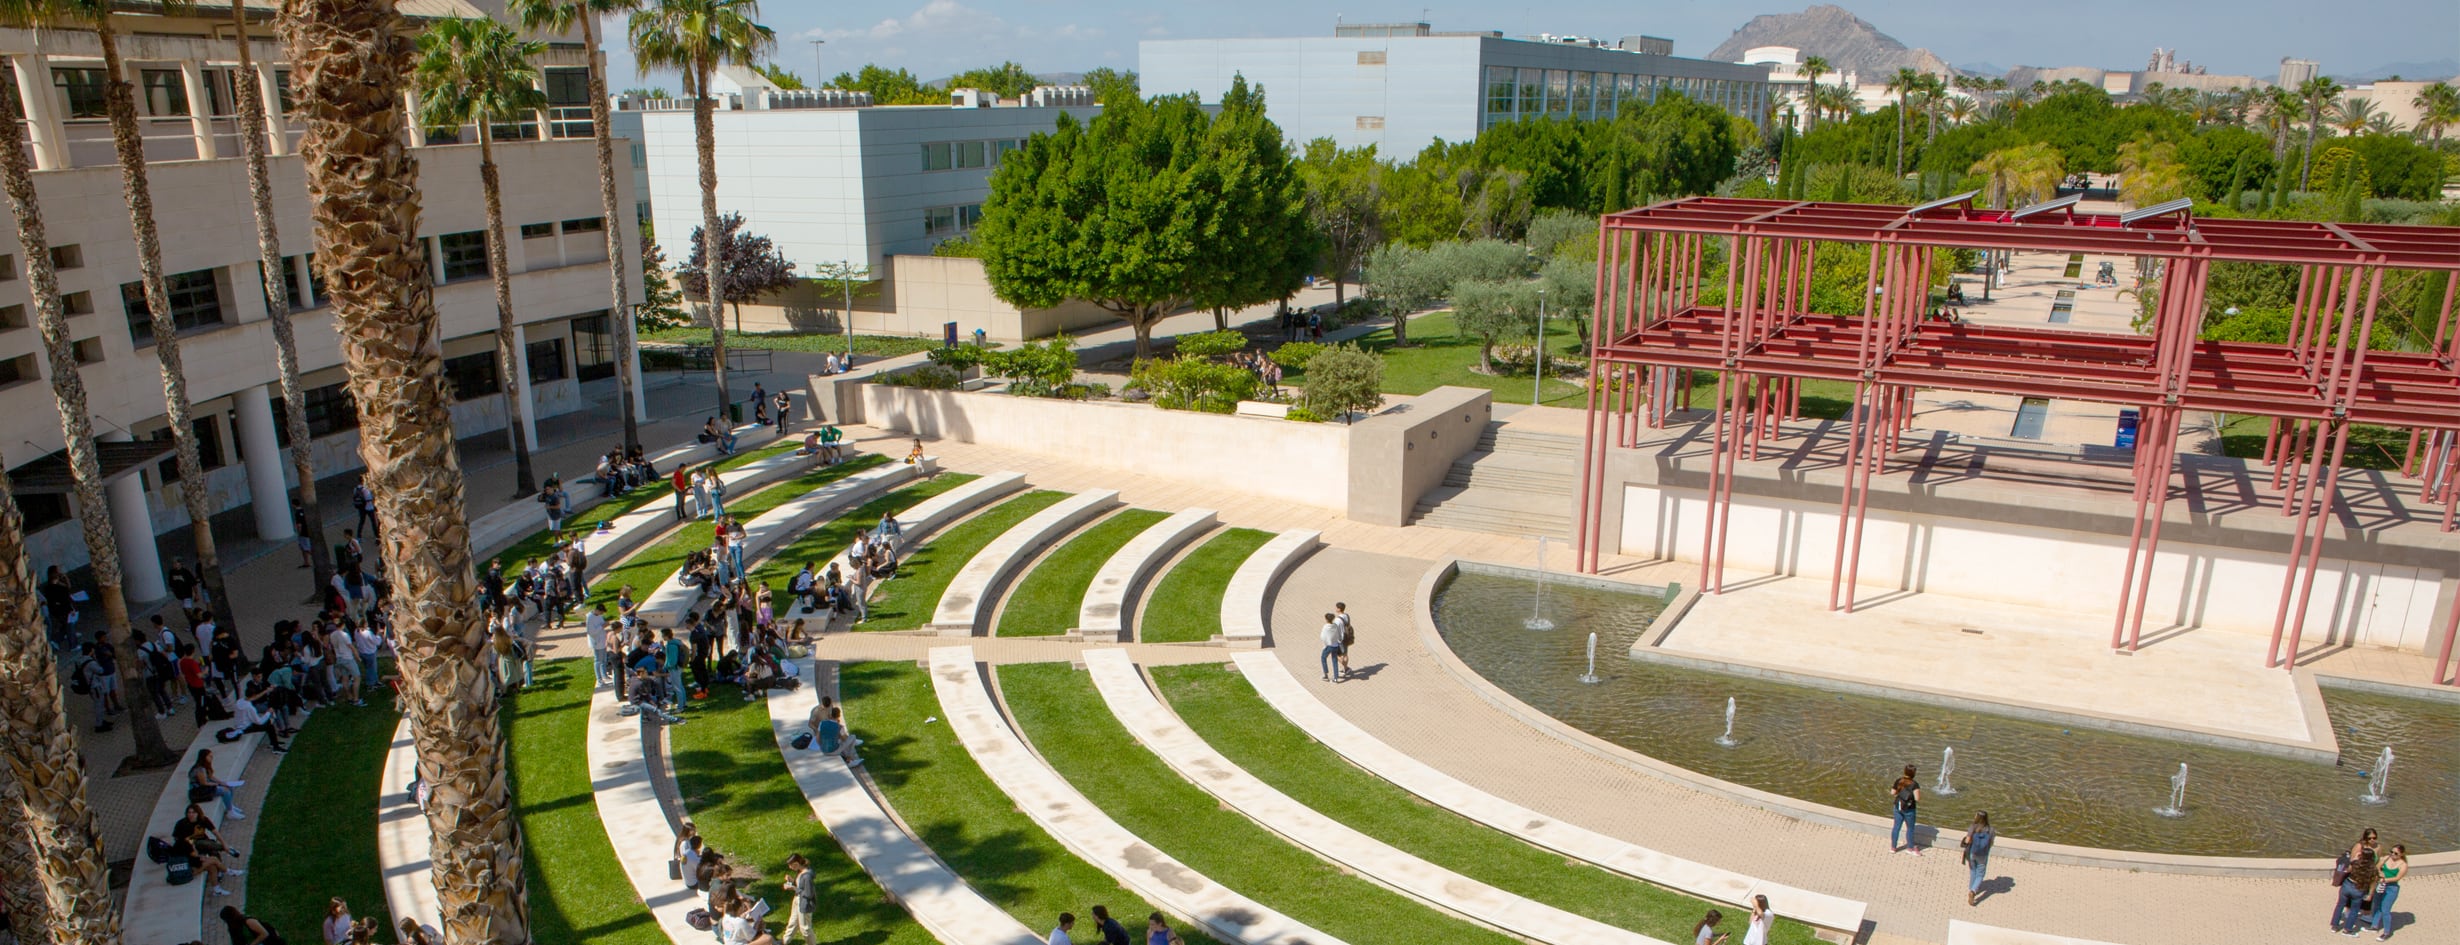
(153, 909)
(1247, 601)
(666, 606)
(966, 602)
(1112, 595)
(635, 823)
(1160, 730)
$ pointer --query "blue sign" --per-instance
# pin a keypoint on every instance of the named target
(2126, 429)
(949, 329)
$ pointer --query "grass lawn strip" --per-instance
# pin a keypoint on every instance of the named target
(319, 823)
(651, 566)
(737, 789)
(1049, 598)
(1223, 708)
(818, 546)
(1089, 747)
(1186, 605)
(945, 799)
(578, 889)
(1440, 354)
(906, 602)
(540, 542)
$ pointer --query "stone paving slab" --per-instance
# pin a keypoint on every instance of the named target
(154, 910)
(1103, 617)
(1244, 600)
(1080, 826)
(966, 602)
(906, 870)
(1961, 932)
(1159, 729)
(636, 826)
(666, 606)
(1280, 688)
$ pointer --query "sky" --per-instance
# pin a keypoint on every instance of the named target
(936, 38)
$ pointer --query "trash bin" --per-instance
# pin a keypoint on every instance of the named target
(734, 413)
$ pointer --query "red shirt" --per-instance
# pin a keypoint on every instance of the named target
(192, 672)
(680, 484)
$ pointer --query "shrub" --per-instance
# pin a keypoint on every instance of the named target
(1211, 344)
(1185, 383)
(1294, 355)
(1032, 370)
(926, 377)
(1341, 379)
(1304, 415)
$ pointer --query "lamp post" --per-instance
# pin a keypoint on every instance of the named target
(817, 78)
(1537, 377)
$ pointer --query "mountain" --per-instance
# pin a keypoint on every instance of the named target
(1981, 68)
(2429, 71)
(1850, 43)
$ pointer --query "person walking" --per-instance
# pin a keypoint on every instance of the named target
(2387, 889)
(1903, 797)
(2349, 908)
(1349, 635)
(798, 913)
(1331, 637)
(363, 502)
(1978, 839)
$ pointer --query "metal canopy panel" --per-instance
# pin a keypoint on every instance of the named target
(51, 475)
(1963, 198)
(2133, 217)
(2047, 206)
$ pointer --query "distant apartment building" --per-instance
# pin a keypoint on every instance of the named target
(1403, 86)
(2295, 72)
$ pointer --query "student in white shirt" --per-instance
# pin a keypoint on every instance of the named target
(249, 719)
(1331, 638)
(1059, 936)
(595, 623)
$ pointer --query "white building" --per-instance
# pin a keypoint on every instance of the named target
(831, 179)
(185, 73)
(1404, 86)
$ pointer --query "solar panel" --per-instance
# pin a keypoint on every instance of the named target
(2047, 206)
(1966, 197)
(2131, 217)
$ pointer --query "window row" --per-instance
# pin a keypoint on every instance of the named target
(966, 155)
(948, 221)
(161, 93)
(1559, 93)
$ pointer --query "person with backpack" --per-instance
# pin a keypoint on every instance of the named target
(1903, 797)
(363, 501)
(1330, 636)
(1349, 635)
(97, 678)
(1976, 847)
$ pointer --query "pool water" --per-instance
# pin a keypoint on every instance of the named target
(2037, 780)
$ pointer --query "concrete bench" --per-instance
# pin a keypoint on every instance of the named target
(1111, 596)
(912, 877)
(1961, 932)
(1247, 600)
(966, 603)
(1159, 729)
(666, 606)
(516, 521)
(627, 532)
(1285, 694)
(1258, 408)
(154, 910)
(917, 523)
(635, 824)
(403, 842)
(1063, 812)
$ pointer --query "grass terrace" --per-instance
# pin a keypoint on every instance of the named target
(906, 602)
(1185, 607)
(319, 849)
(542, 542)
(1048, 599)
(651, 566)
(578, 891)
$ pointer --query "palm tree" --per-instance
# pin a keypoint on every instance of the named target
(559, 16)
(1903, 85)
(252, 136)
(478, 71)
(2381, 124)
(1812, 68)
(47, 831)
(2022, 174)
(2438, 107)
(2280, 110)
(1961, 110)
(697, 36)
(2352, 114)
(2315, 93)
(350, 59)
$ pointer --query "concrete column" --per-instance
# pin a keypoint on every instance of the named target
(277, 127)
(640, 384)
(306, 297)
(43, 129)
(200, 117)
(435, 258)
(521, 386)
(410, 111)
(262, 451)
(133, 525)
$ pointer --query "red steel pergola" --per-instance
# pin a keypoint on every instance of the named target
(1658, 319)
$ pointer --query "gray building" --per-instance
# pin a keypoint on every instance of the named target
(1403, 86)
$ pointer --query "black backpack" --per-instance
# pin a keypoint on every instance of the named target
(77, 681)
(158, 849)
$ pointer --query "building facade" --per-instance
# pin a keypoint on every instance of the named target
(1406, 86)
(186, 81)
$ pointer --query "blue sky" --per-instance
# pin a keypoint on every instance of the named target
(935, 38)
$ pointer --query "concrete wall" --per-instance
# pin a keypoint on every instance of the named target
(1397, 456)
(1305, 463)
(918, 296)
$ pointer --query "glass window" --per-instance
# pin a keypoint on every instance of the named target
(81, 92)
(1626, 88)
(196, 302)
(586, 225)
(208, 448)
(593, 347)
(1532, 93)
(1001, 149)
(537, 231)
(567, 86)
(465, 255)
(218, 93)
(165, 92)
(1558, 93)
(939, 220)
(281, 92)
(329, 410)
(546, 361)
(968, 216)
(935, 156)
(1584, 95)
(1500, 93)
(970, 154)
(472, 375)
(316, 284)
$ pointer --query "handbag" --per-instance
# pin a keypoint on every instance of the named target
(801, 741)
(674, 869)
(200, 793)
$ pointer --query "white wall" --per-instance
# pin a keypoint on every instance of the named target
(1307, 463)
(2224, 588)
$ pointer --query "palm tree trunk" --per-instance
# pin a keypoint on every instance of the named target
(621, 313)
(121, 102)
(277, 298)
(50, 829)
(1900, 135)
(704, 140)
(349, 59)
(507, 371)
(21, 885)
(2306, 161)
(77, 432)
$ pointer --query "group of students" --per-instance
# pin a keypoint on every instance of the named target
(621, 470)
(1108, 931)
(339, 928)
(737, 918)
(1904, 808)
(2367, 879)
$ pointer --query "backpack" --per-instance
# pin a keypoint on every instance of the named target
(158, 849)
(77, 681)
(178, 872)
(1904, 796)
(1348, 634)
(700, 919)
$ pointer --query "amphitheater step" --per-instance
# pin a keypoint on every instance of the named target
(1495, 511)
(1518, 472)
(1500, 438)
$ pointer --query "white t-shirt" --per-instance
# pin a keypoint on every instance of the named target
(368, 643)
(597, 631)
(1060, 937)
(1331, 634)
(1756, 933)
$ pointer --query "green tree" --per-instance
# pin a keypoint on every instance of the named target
(1342, 380)
(2314, 94)
(1812, 68)
(1211, 344)
(778, 74)
(1571, 291)
(2020, 175)
(1494, 311)
(1113, 85)
(1264, 237)
(1402, 279)
(1185, 383)
(661, 303)
(1007, 80)
(888, 86)
(1675, 147)
(2438, 107)
(2150, 172)
(1345, 202)
(749, 264)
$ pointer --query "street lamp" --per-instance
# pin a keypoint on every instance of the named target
(1537, 378)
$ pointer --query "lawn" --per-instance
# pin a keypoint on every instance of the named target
(318, 822)
(1047, 601)
(542, 542)
(1186, 605)
(867, 346)
(2370, 447)
(1223, 708)
(737, 789)
(820, 545)
(1440, 354)
(1051, 702)
(578, 891)
(651, 566)
(945, 799)
(907, 601)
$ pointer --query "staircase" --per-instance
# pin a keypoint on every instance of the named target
(1515, 483)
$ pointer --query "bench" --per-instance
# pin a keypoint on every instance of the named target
(1275, 684)
(516, 521)
(1110, 598)
(966, 602)
(1073, 820)
(925, 517)
(635, 823)
(666, 606)
(912, 877)
(403, 842)
(1244, 602)
(154, 910)
(1961, 932)
(1159, 729)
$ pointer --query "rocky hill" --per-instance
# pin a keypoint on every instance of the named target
(1850, 43)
